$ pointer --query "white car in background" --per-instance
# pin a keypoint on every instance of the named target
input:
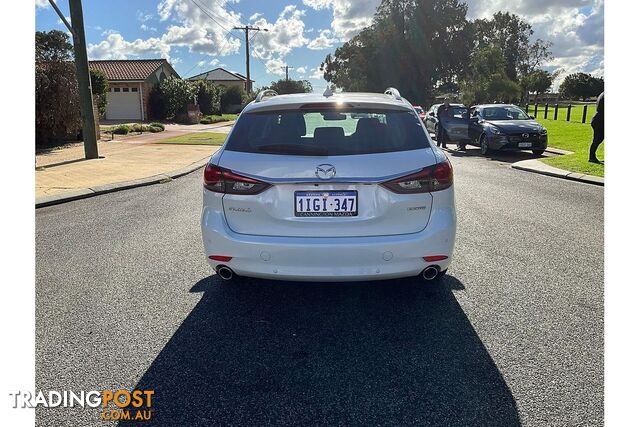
(329, 187)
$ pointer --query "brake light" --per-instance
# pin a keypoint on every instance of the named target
(224, 181)
(433, 178)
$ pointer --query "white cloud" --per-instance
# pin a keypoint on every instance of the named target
(318, 4)
(317, 74)
(191, 27)
(275, 66)
(116, 47)
(145, 27)
(42, 3)
(281, 37)
(255, 16)
(301, 70)
(324, 41)
(144, 17)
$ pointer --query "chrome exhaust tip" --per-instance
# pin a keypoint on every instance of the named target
(430, 272)
(224, 272)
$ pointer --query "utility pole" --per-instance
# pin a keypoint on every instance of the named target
(286, 72)
(246, 30)
(82, 74)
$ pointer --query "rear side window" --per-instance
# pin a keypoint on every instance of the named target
(327, 132)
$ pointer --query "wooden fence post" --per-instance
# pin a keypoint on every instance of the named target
(546, 110)
(569, 112)
(555, 112)
(535, 110)
(584, 113)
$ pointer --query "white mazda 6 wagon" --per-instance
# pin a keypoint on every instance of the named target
(329, 187)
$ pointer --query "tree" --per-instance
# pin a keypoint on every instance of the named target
(291, 86)
(512, 35)
(487, 80)
(54, 46)
(411, 45)
(581, 85)
(538, 81)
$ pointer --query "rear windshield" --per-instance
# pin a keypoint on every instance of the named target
(327, 132)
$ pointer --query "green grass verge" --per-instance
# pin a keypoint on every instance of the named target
(197, 138)
(574, 137)
(217, 119)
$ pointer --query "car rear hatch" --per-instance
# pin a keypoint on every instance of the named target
(315, 189)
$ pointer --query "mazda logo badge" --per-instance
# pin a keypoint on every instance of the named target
(325, 171)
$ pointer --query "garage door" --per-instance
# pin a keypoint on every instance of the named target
(123, 104)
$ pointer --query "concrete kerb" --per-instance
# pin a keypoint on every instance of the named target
(536, 166)
(84, 193)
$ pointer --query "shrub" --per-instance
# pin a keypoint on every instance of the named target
(208, 96)
(157, 104)
(121, 129)
(231, 96)
(177, 93)
(57, 103)
(206, 120)
(155, 129)
(157, 125)
(99, 88)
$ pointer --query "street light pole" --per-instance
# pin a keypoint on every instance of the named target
(84, 81)
(246, 30)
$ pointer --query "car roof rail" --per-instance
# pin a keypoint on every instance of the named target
(392, 91)
(267, 93)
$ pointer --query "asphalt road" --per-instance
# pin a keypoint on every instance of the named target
(513, 336)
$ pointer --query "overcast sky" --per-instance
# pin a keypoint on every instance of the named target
(197, 35)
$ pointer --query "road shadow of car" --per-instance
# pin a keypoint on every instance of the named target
(258, 352)
(501, 156)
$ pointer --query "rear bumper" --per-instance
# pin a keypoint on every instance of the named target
(330, 258)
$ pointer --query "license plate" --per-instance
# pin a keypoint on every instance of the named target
(525, 145)
(326, 203)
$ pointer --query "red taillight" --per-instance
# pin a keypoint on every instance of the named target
(224, 181)
(433, 258)
(433, 178)
(221, 258)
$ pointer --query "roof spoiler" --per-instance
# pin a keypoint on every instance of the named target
(267, 93)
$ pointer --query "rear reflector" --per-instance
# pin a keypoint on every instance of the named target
(433, 258)
(221, 258)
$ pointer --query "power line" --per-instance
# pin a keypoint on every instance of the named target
(210, 15)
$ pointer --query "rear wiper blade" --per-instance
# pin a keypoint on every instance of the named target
(294, 149)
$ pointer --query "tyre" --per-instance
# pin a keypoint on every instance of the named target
(484, 145)
(537, 153)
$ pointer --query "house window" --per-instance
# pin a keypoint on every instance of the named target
(125, 89)
(134, 89)
(116, 89)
